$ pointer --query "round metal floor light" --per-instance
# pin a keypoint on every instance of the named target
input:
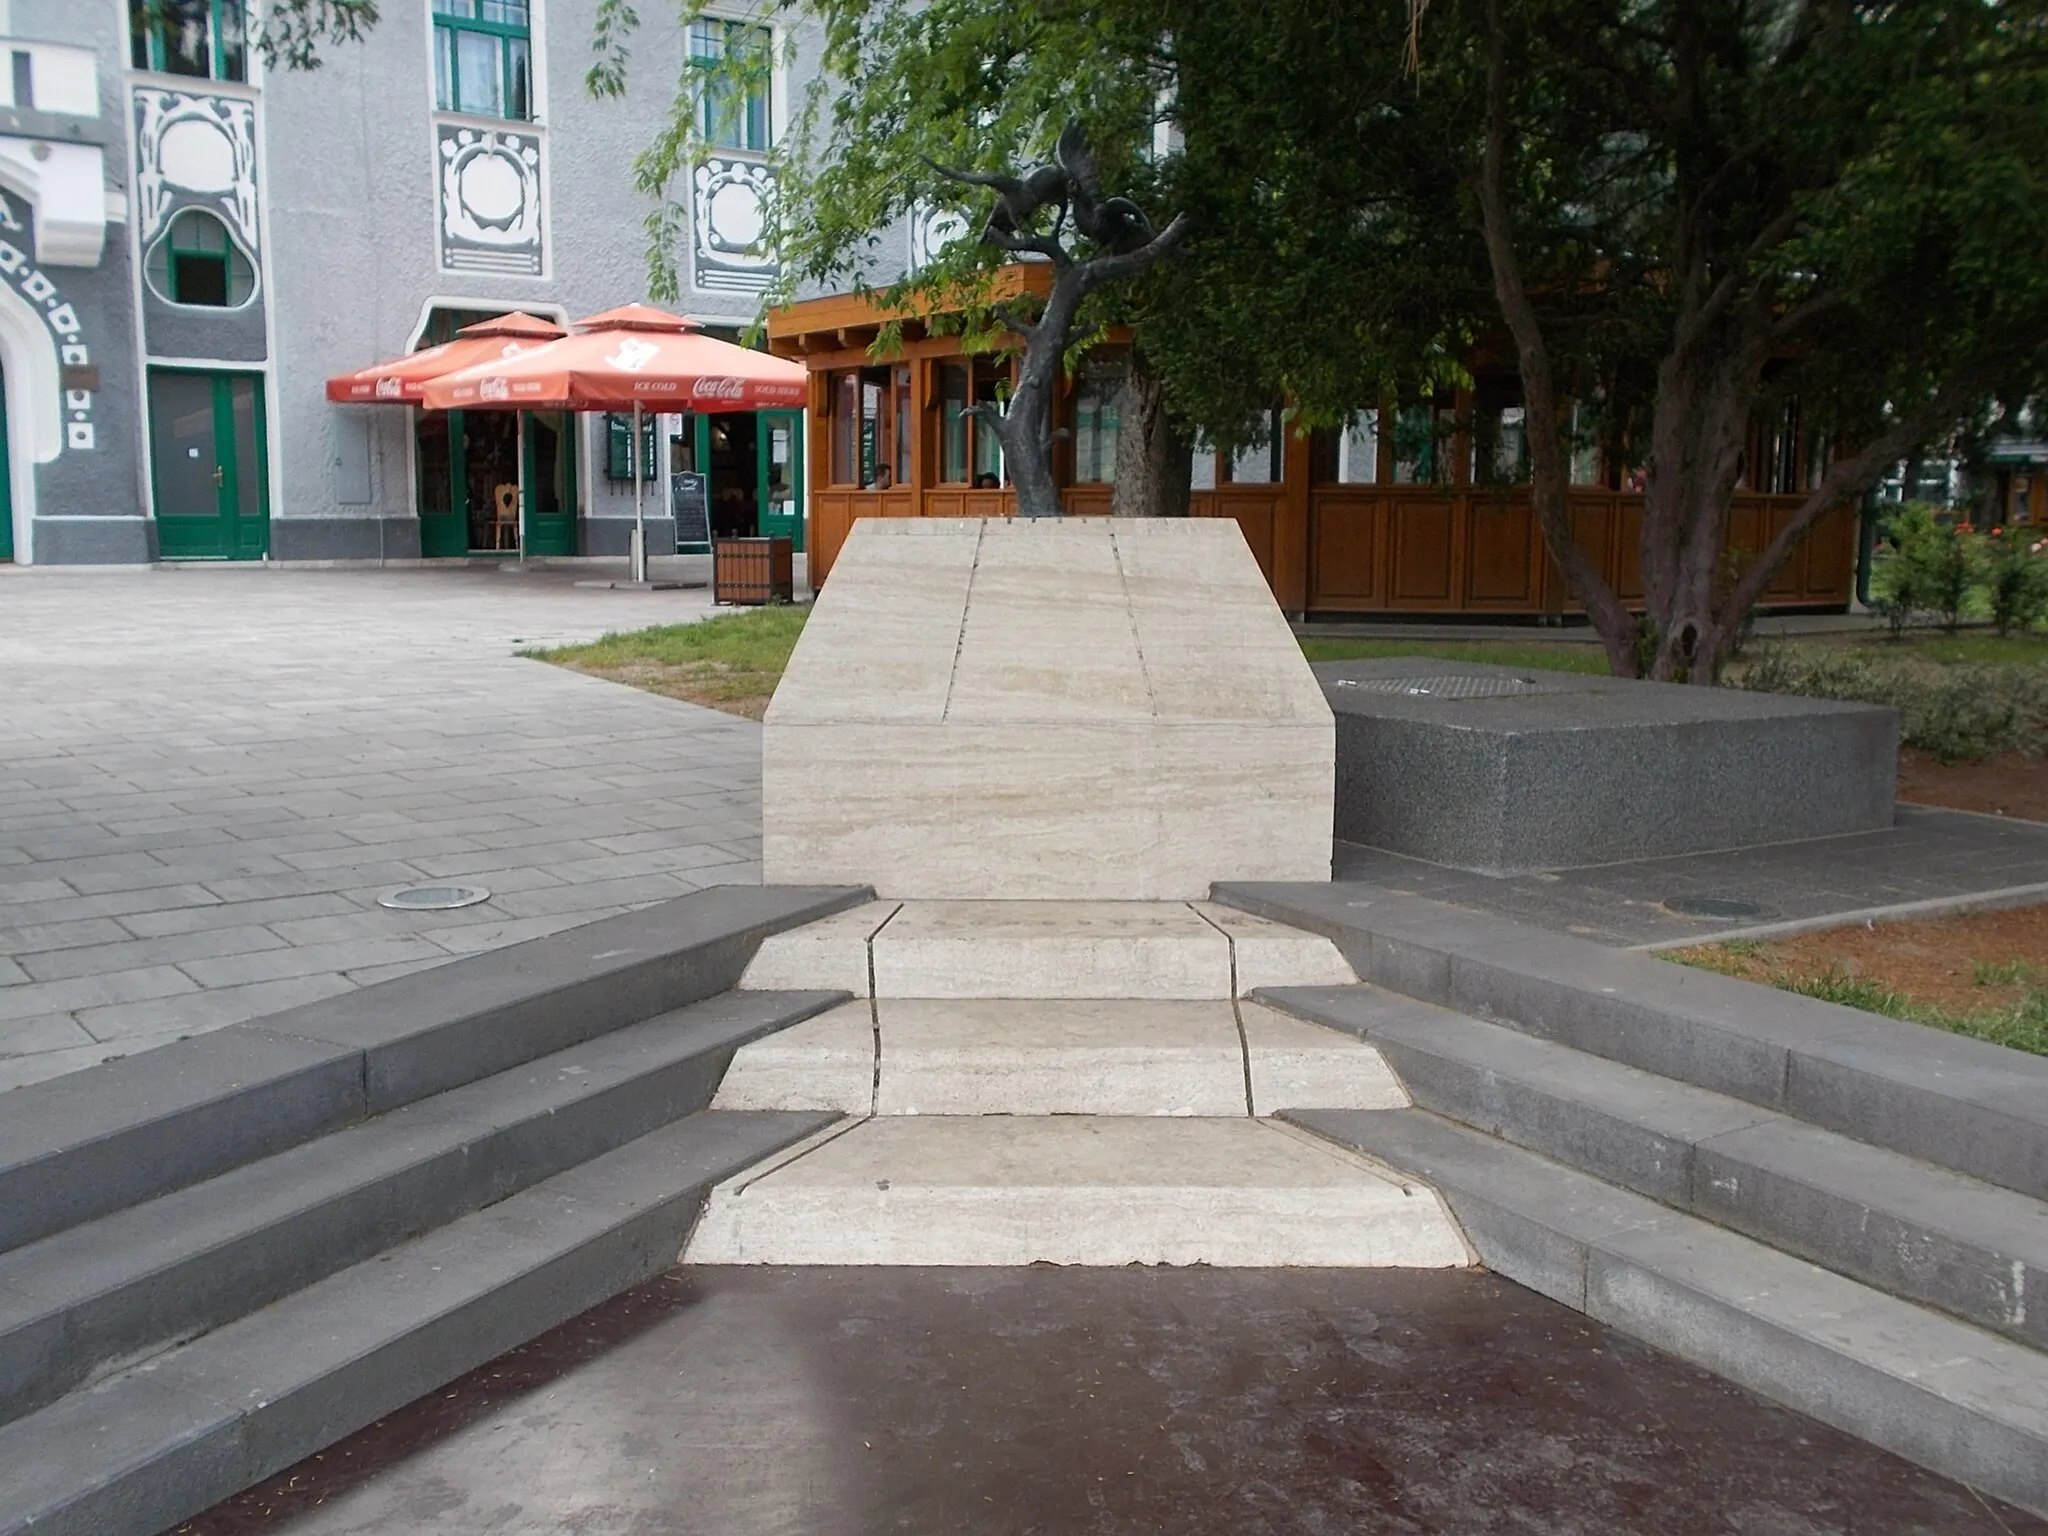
(433, 898)
(1726, 907)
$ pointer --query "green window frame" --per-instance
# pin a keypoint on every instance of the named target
(733, 59)
(196, 262)
(618, 445)
(483, 58)
(206, 39)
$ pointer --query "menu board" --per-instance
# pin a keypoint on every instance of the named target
(690, 502)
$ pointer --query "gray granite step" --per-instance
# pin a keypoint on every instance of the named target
(1899, 1224)
(153, 1445)
(93, 1142)
(1955, 1398)
(1962, 1104)
(202, 1255)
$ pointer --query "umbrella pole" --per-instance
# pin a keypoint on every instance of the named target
(519, 480)
(639, 516)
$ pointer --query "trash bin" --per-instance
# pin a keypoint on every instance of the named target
(753, 571)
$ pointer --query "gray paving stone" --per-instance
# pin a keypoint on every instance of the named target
(30, 938)
(184, 731)
(194, 1013)
(234, 914)
(61, 964)
(637, 891)
(125, 986)
(309, 960)
(41, 1032)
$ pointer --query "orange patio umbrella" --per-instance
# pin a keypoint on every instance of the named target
(629, 358)
(400, 381)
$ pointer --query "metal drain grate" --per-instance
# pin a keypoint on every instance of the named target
(1451, 687)
(433, 898)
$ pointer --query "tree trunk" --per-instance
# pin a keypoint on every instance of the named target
(1025, 428)
(1152, 459)
(1699, 427)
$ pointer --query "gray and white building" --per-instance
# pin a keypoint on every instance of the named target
(191, 245)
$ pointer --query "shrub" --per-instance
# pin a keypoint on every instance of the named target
(2016, 578)
(1957, 713)
(1934, 567)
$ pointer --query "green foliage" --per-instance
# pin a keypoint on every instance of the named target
(2016, 578)
(2021, 1027)
(1933, 566)
(750, 639)
(1958, 712)
(1557, 656)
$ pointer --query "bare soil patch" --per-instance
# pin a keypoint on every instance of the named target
(2005, 785)
(737, 691)
(1982, 974)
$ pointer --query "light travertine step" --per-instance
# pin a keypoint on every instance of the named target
(1047, 949)
(1042, 1057)
(1093, 1190)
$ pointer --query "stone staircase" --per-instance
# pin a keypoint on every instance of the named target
(1845, 1213)
(1061, 1082)
(223, 1255)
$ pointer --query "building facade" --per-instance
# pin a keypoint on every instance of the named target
(192, 244)
(1418, 507)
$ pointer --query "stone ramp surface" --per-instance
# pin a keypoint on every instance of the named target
(1914, 1381)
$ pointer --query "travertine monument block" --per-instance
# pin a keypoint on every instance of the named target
(1078, 708)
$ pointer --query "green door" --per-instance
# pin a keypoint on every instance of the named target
(551, 483)
(465, 457)
(208, 463)
(6, 481)
(781, 453)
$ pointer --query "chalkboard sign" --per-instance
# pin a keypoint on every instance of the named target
(691, 505)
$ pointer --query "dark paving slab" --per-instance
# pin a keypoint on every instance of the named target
(1057, 1400)
(1927, 855)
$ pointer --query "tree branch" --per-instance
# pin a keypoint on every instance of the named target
(1100, 269)
(1539, 395)
(1844, 482)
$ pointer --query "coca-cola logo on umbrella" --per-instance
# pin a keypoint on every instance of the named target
(719, 389)
(493, 389)
(389, 389)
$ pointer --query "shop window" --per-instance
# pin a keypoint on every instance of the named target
(954, 423)
(196, 261)
(846, 429)
(1585, 446)
(1349, 455)
(733, 59)
(876, 421)
(1773, 457)
(483, 58)
(1499, 446)
(1421, 434)
(1259, 463)
(205, 38)
(1098, 418)
(969, 451)
(902, 378)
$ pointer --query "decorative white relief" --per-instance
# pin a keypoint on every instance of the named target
(490, 193)
(45, 356)
(931, 231)
(729, 215)
(196, 152)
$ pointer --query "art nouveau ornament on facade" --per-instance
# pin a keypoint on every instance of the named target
(489, 185)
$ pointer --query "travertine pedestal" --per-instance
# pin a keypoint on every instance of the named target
(1073, 708)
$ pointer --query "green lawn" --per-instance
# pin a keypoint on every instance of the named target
(1962, 696)
(731, 661)
(1552, 656)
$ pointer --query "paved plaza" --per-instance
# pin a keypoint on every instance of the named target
(208, 776)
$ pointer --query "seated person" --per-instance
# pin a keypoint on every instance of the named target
(986, 481)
